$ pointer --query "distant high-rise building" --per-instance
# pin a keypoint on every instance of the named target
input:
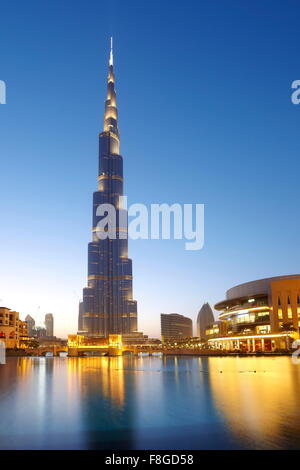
(49, 324)
(175, 326)
(30, 325)
(204, 319)
(108, 306)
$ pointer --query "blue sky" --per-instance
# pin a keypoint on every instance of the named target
(203, 91)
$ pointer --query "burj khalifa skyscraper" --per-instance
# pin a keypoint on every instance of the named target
(108, 306)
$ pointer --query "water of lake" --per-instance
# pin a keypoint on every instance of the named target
(150, 403)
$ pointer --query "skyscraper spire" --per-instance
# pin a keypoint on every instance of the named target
(111, 55)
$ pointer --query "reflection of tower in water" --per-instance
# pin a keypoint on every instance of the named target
(104, 375)
(105, 391)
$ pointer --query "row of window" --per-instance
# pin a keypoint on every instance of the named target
(289, 312)
(289, 300)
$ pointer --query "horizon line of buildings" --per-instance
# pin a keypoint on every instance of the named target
(261, 315)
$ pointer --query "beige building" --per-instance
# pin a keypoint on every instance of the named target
(13, 331)
(262, 315)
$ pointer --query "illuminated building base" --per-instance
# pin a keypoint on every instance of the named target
(255, 343)
(79, 344)
(114, 345)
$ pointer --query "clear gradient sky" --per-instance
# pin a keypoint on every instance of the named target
(203, 91)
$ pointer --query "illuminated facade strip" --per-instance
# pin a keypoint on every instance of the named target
(230, 338)
(113, 177)
(95, 315)
(248, 310)
(109, 134)
(108, 278)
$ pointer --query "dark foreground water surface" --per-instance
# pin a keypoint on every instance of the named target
(150, 402)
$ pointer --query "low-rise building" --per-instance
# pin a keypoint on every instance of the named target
(13, 331)
(262, 315)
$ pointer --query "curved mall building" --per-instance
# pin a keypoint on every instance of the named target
(262, 315)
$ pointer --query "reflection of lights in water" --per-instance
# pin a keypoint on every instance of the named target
(253, 402)
(257, 396)
(103, 373)
(24, 367)
(176, 369)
